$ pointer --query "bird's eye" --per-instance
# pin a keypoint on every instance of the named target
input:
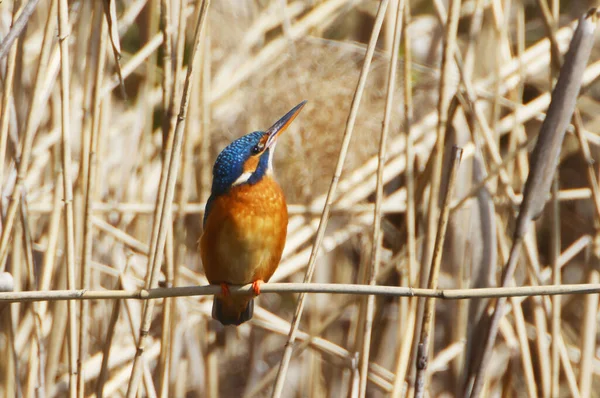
(257, 149)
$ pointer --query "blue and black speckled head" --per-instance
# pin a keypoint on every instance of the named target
(249, 158)
(231, 163)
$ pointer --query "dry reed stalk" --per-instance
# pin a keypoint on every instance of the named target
(402, 364)
(550, 23)
(7, 101)
(169, 305)
(170, 170)
(201, 114)
(589, 326)
(320, 234)
(532, 54)
(327, 322)
(427, 320)
(396, 16)
(18, 25)
(103, 375)
(313, 19)
(134, 62)
(36, 368)
(444, 99)
(542, 310)
(204, 174)
(121, 236)
(269, 377)
(90, 178)
(110, 11)
(556, 302)
(520, 326)
(544, 161)
(169, 91)
(27, 141)
(331, 288)
(130, 14)
(132, 203)
(380, 376)
(409, 314)
(313, 210)
(444, 96)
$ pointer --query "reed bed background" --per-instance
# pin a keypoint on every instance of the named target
(114, 111)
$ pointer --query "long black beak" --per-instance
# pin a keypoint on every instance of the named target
(282, 124)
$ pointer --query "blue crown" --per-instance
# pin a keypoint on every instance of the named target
(229, 166)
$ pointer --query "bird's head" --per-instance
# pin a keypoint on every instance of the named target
(249, 158)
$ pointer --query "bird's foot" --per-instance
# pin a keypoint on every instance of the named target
(225, 290)
(256, 286)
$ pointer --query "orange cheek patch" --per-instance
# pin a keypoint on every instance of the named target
(251, 164)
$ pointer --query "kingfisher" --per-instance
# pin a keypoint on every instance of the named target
(245, 220)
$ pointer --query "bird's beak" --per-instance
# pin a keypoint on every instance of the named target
(282, 124)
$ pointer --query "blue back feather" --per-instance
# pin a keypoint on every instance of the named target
(229, 166)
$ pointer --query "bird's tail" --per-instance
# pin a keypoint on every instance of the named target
(231, 310)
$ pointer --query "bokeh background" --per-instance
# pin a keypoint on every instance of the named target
(258, 59)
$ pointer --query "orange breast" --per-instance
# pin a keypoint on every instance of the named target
(245, 233)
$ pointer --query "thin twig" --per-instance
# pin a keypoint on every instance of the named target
(63, 32)
(90, 189)
(333, 288)
(427, 321)
(287, 354)
(27, 139)
(17, 27)
(377, 232)
(544, 162)
(170, 169)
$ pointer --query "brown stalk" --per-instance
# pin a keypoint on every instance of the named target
(36, 367)
(444, 103)
(170, 169)
(17, 27)
(549, 20)
(544, 161)
(377, 231)
(407, 327)
(287, 354)
(589, 326)
(27, 140)
(319, 17)
(556, 280)
(329, 288)
(7, 101)
(427, 320)
(168, 98)
(110, 11)
(90, 189)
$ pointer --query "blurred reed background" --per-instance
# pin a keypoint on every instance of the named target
(122, 65)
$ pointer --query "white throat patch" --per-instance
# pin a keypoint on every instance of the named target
(242, 179)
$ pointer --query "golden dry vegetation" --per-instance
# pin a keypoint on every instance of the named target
(90, 94)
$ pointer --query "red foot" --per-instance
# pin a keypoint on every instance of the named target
(225, 289)
(256, 286)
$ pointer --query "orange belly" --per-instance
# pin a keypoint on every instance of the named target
(244, 234)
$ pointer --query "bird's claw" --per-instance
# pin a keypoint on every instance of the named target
(256, 286)
(225, 290)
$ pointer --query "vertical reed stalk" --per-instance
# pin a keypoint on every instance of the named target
(28, 135)
(397, 16)
(427, 321)
(287, 354)
(171, 171)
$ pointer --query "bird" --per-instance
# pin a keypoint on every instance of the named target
(245, 220)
